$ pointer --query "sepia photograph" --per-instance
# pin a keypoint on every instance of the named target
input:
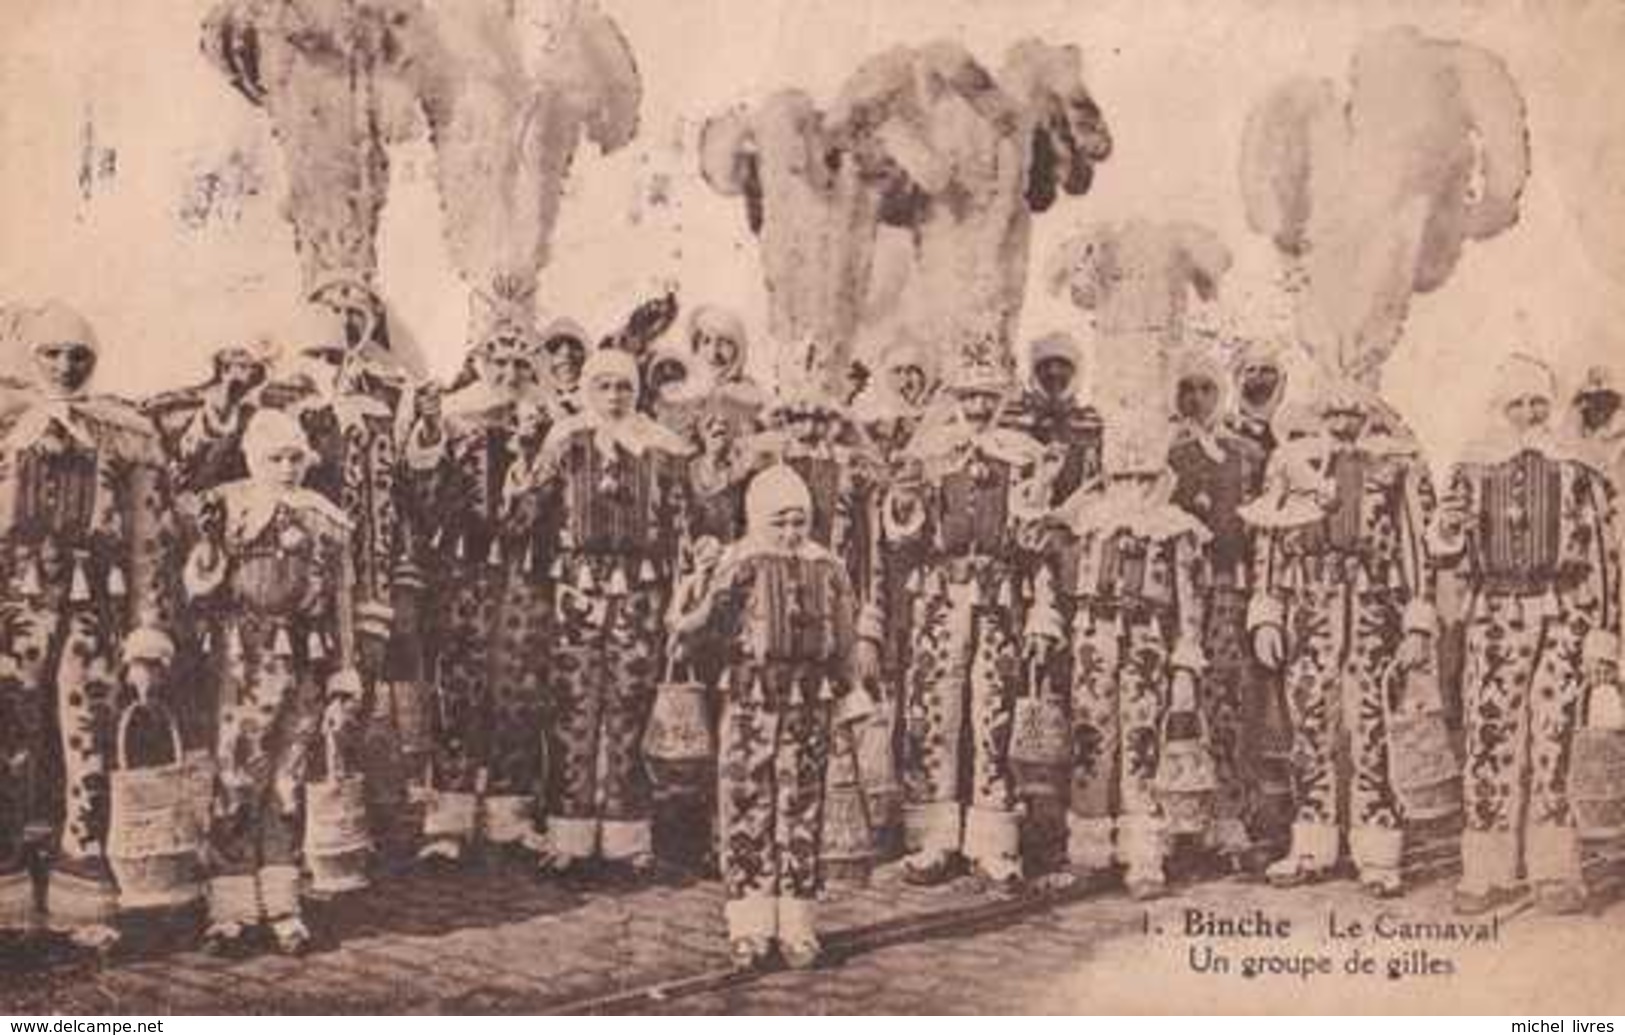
(774, 507)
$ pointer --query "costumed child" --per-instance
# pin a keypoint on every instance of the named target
(784, 607)
(271, 574)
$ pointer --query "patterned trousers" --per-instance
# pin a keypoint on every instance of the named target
(60, 659)
(1119, 692)
(1233, 701)
(1522, 691)
(492, 663)
(1340, 639)
(963, 677)
(772, 762)
(605, 661)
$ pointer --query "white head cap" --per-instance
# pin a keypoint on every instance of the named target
(1519, 377)
(268, 432)
(774, 490)
(56, 323)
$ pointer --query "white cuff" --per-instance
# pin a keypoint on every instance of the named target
(234, 900)
(149, 644)
(626, 839)
(754, 916)
(1045, 621)
(1420, 617)
(572, 838)
(936, 827)
(1601, 645)
(449, 815)
(509, 818)
(346, 682)
(991, 834)
(1376, 848)
(796, 923)
(1552, 853)
(1188, 656)
(1263, 610)
(279, 891)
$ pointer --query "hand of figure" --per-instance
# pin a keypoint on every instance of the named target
(1268, 647)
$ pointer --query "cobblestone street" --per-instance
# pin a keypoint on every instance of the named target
(493, 939)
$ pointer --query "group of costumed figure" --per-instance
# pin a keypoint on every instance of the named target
(253, 626)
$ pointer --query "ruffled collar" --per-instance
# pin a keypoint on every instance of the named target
(1134, 509)
(957, 438)
(36, 421)
(636, 433)
(250, 507)
(1508, 443)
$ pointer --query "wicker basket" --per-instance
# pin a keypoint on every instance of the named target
(1597, 777)
(847, 850)
(679, 743)
(1040, 743)
(338, 839)
(1186, 784)
(157, 817)
(877, 767)
(1422, 763)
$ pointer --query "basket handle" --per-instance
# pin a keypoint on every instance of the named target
(122, 741)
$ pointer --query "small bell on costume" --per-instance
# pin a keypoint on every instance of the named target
(555, 571)
(826, 692)
(493, 556)
(30, 584)
(794, 697)
(1007, 595)
(758, 693)
(617, 582)
(584, 579)
(529, 563)
(282, 643)
(461, 553)
(115, 582)
(315, 649)
(79, 590)
(915, 582)
(646, 572)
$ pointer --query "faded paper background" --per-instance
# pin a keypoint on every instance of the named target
(137, 186)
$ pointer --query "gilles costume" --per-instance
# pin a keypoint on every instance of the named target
(271, 575)
(86, 590)
(784, 610)
(613, 493)
(973, 490)
(1128, 578)
(1258, 388)
(814, 436)
(1341, 574)
(489, 630)
(1059, 422)
(352, 431)
(1215, 472)
(1533, 524)
(725, 416)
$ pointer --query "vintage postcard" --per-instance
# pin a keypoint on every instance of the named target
(774, 507)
